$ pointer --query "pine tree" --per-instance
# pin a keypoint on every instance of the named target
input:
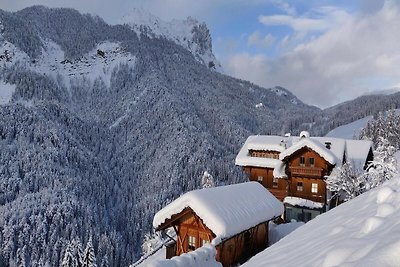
(384, 165)
(89, 258)
(73, 256)
(69, 259)
(345, 182)
(207, 180)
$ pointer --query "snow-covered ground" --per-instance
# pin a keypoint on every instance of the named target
(6, 92)
(159, 255)
(362, 232)
(351, 130)
(277, 232)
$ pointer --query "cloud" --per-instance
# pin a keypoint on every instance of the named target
(342, 63)
(319, 19)
(260, 41)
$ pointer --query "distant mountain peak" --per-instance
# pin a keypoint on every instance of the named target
(189, 33)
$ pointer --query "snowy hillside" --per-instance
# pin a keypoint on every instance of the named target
(189, 33)
(100, 127)
(350, 130)
(362, 232)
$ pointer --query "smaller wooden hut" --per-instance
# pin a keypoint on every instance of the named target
(233, 218)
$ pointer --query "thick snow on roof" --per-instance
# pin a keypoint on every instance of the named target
(357, 152)
(260, 142)
(362, 232)
(226, 210)
(314, 145)
(279, 170)
(296, 201)
(201, 257)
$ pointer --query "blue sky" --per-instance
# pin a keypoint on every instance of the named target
(323, 51)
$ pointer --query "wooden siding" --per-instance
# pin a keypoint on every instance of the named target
(279, 190)
(236, 249)
(319, 196)
(243, 246)
(308, 174)
(192, 226)
(264, 154)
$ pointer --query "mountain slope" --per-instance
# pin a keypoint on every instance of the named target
(105, 126)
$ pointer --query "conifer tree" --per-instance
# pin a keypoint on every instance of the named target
(384, 165)
(207, 180)
(89, 258)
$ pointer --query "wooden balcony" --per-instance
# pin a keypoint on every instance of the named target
(306, 171)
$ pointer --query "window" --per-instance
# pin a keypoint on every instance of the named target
(191, 243)
(314, 188)
(275, 182)
(204, 241)
(299, 186)
(260, 179)
(302, 161)
(311, 161)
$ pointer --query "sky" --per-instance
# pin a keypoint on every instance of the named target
(323, 51)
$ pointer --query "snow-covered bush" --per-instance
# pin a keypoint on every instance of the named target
(207, 180)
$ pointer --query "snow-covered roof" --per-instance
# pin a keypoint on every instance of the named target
(362, 232)
(280, 170)
(260, 142)
(312, 144)
(226, 210)
(357, 152)
(297, 201)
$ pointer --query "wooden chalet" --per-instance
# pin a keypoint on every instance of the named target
(294, 168)
(234, 219)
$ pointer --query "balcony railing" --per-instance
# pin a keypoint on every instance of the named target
(306, 171)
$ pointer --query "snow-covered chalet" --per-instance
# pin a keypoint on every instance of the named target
(233, 219)
(294, 168)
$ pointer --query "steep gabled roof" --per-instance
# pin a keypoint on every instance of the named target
(312, 144)
(357, 152)
(226, 210)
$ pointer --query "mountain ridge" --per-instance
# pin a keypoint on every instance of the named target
(109, 148)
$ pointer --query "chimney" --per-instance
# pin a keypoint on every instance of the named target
(328, 145)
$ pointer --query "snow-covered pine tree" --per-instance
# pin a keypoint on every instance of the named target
(207, 180)
(151, 243)
(345, 182)
(69, 259)
(89, 258)
(384, 165)
(73, 256)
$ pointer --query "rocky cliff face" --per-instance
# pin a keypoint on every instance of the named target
(189, 33)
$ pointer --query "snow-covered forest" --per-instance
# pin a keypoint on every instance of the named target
(90, 159)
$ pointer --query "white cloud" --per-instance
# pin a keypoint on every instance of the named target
(357, 55)
(260, 41)
(319, 19)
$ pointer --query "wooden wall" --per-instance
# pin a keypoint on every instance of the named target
(195, 227)
(236, 249)
(243, 246)
(280, 192)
